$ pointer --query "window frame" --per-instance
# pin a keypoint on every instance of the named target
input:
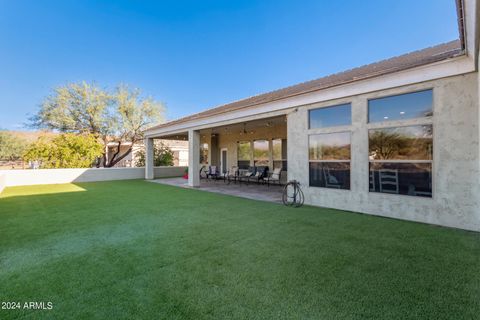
(386, 124)
(401, 94)
(314, 108)
(282, 160)
(329, 131)
(250, 157)
(269, 151)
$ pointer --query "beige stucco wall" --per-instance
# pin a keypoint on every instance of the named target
(456, 172)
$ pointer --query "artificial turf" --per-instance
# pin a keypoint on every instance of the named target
(140, 250)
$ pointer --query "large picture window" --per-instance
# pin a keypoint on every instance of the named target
(330, 116)
(401, 107)
(279, 153)
(401, 160)
(329, 160)
(244, 154)
(261, 153)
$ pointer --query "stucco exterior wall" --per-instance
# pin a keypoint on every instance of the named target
(456, 169)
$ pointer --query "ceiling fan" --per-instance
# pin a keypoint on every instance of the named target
(244, 131)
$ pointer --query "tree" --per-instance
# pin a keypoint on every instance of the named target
(67, 150)
(11, 146)
(386, 144)
(162, 156)
(118, 116)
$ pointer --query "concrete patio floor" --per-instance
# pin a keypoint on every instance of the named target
(272, 193)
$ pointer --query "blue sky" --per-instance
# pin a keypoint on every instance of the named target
(193, 55)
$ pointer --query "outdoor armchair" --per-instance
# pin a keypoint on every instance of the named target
(213, 173)
(232, 174)
(204, 172)
(274, 177)
(260, 174)
(245, 176)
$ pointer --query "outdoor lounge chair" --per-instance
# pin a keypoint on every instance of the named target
(231, 174)
(213, 173)
(274, 177)
(245, 176)
(260, 175)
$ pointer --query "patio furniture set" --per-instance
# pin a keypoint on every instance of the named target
(258, 174)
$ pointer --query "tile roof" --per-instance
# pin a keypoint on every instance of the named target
(399, 63)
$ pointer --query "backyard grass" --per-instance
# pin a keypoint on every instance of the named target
(140, 250)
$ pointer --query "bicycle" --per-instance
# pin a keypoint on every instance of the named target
(292, 194)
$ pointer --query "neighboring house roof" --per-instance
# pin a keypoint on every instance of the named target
(171, 143)
(399, 63)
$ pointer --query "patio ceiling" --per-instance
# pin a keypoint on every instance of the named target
(242, 127)
(246, 127)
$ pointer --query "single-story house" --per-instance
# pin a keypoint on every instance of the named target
(179, 149)
(397, 138)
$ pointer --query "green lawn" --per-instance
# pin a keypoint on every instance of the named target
(140, 250)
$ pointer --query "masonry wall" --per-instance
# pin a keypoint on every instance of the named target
(456, 172)
(54, 176)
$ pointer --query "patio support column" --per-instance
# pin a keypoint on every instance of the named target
(148, 158)
(270, 154)
(193, 158)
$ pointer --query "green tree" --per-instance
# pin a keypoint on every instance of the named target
(162, 156)
(68, 150)
(11, 146)
(112, 116)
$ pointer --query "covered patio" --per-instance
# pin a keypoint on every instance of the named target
(232, 148)
(272, 193)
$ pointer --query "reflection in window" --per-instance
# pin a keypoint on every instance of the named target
(330, 116)
(401, 160)
(330, 146)
(330, 175)
(244, 154)
(400, 107)
(261, 153)
(204, 153)
(401, 143)
(329, 156)
(414, 179)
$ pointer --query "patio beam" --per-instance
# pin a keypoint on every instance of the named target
(193, 158)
